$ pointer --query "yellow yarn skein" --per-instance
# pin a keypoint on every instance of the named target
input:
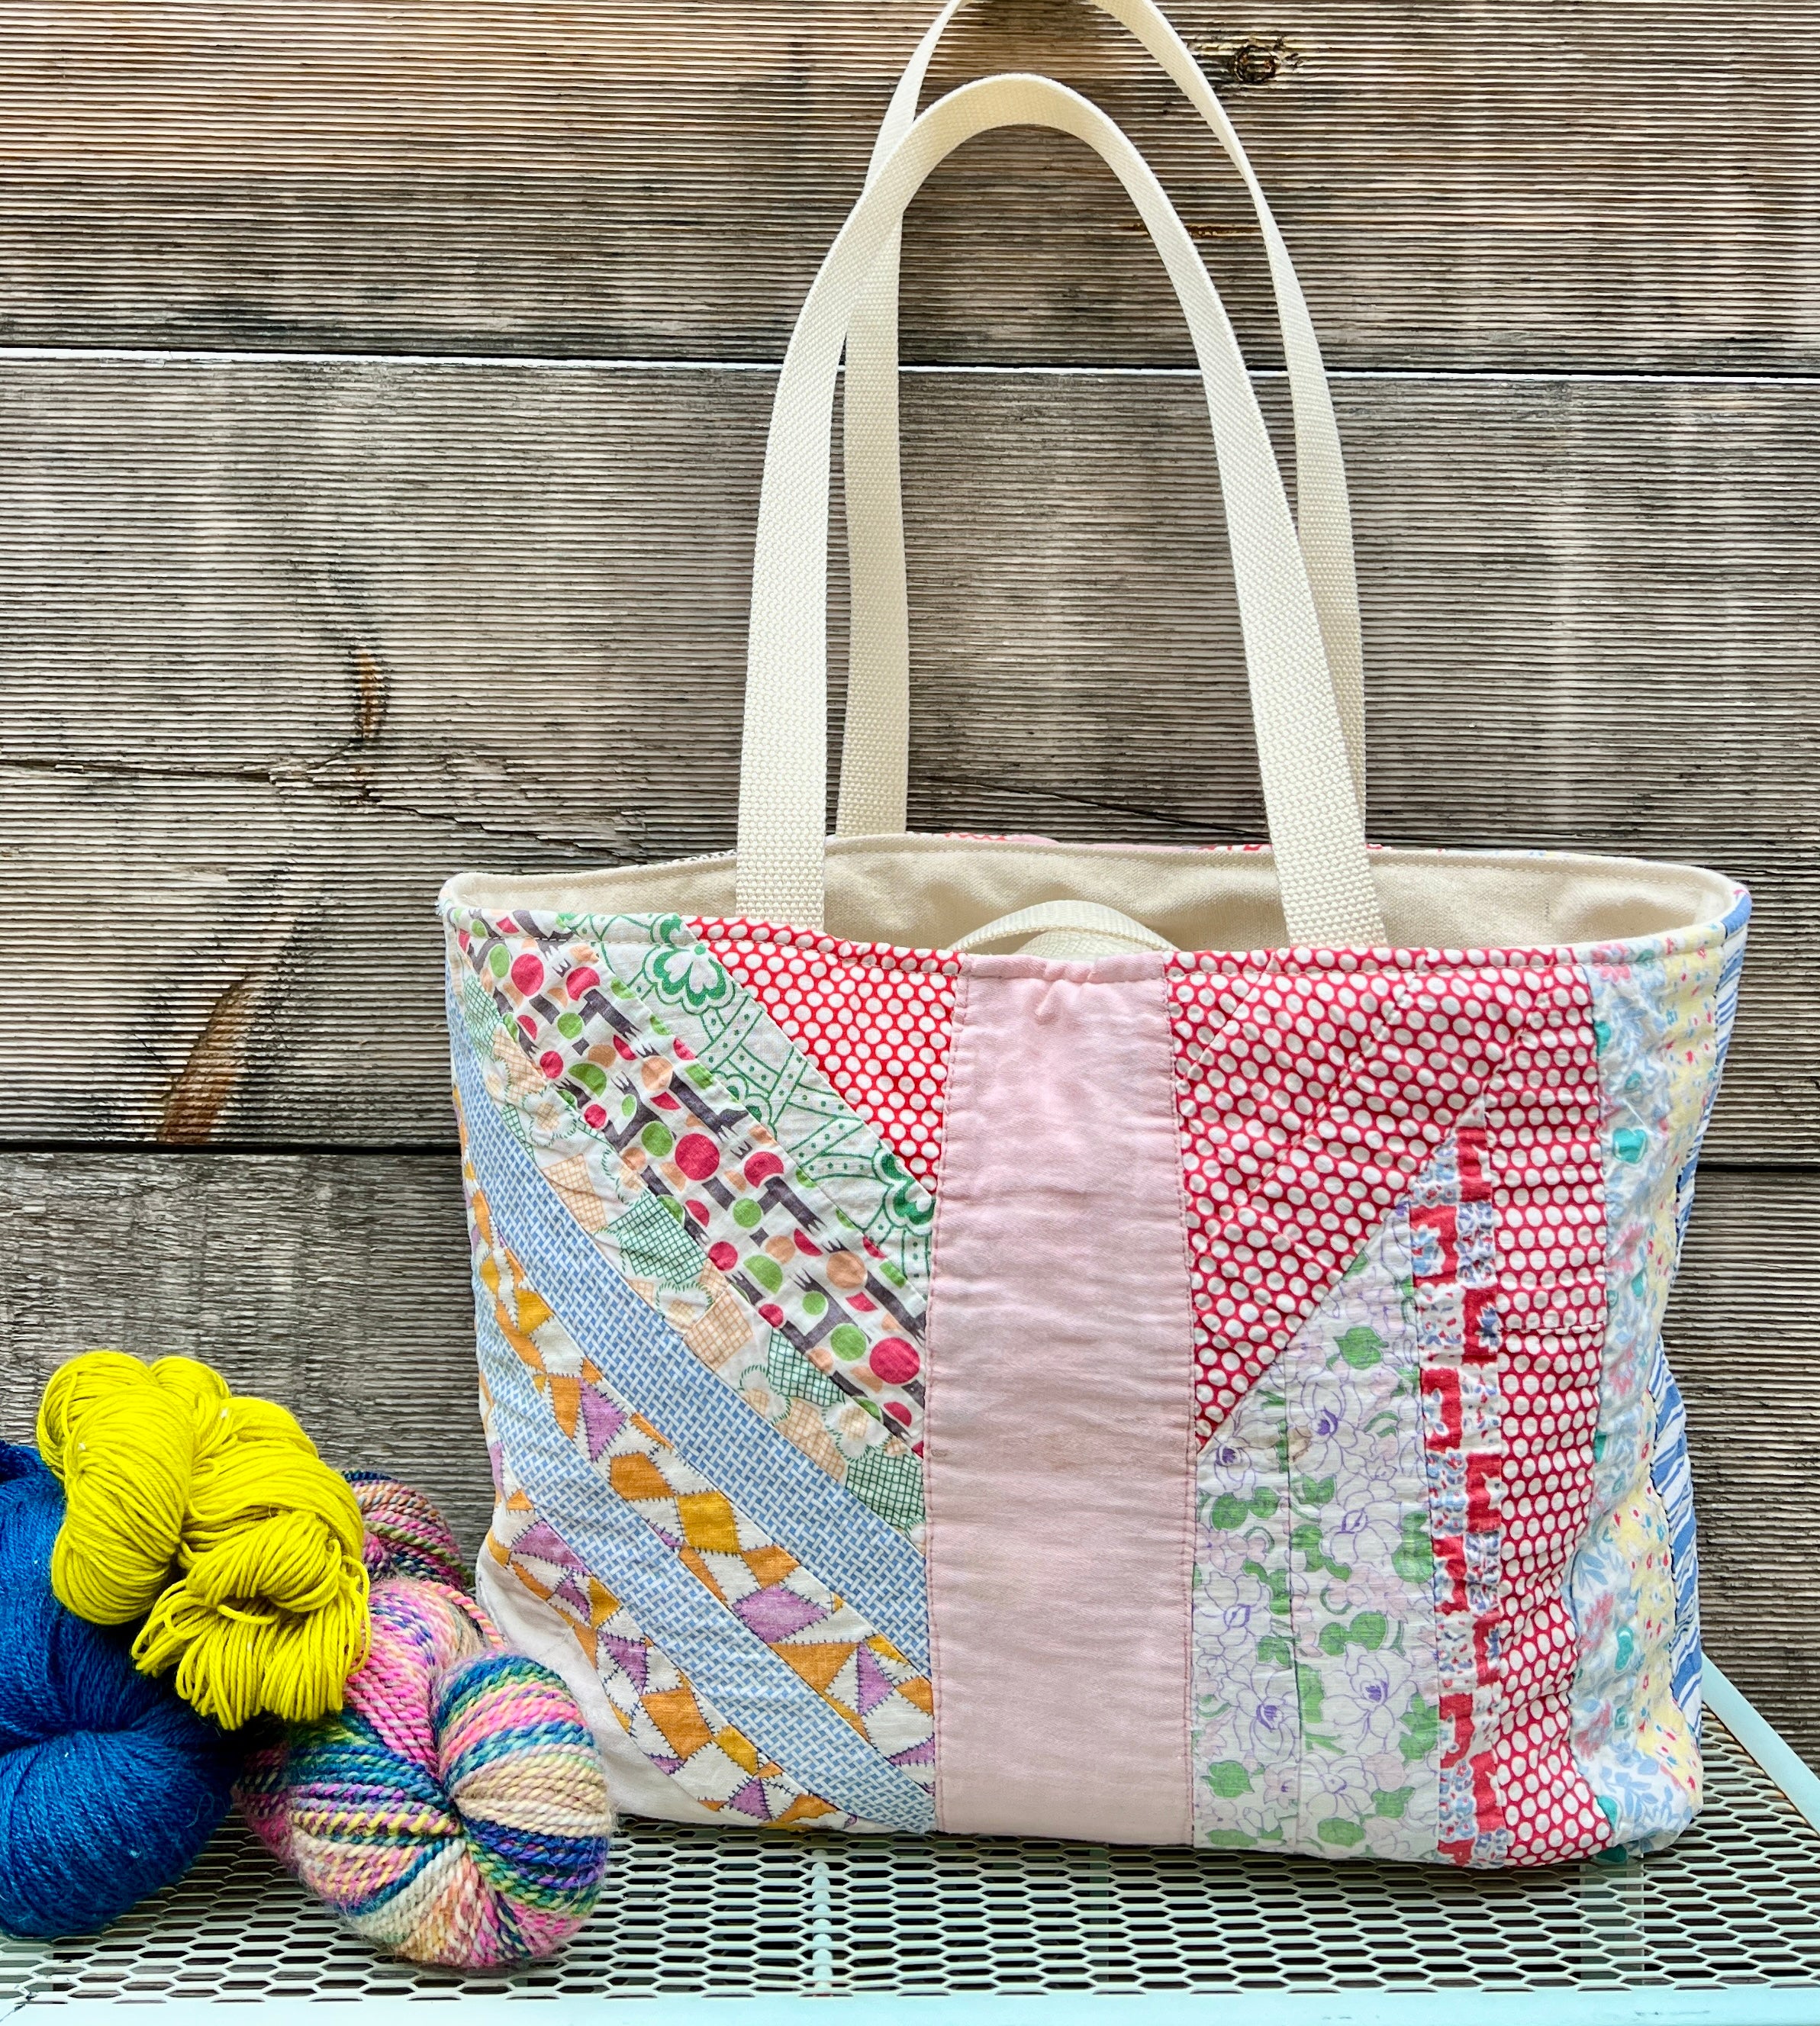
(210, 1515)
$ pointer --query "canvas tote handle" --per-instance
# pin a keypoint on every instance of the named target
(875, 761)
(1323, 870)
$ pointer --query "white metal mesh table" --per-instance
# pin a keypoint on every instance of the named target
(1724, 1927)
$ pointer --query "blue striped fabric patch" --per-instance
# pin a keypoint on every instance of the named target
(730, 1665)
(1674, 1480)
(1725, 1014)
(855, 1552)
(1670, 1472)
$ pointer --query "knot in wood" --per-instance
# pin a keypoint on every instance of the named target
(1251, 59)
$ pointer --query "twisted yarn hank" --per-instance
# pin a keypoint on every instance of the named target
(406, 1535)
(211, 1515)
(110, 1787)
(455, 1811)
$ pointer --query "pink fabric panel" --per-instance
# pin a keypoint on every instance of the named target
(1058, 1463)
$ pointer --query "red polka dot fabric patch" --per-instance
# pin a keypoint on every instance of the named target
(877, 1022)
(1308, 1096)
(1542, 1123)
(1316, 1092)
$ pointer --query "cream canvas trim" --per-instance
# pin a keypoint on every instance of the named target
(1320, 859)
(875, 757)
(926, 892)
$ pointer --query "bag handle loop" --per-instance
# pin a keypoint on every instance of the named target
(1323, 870)
(875, 760)
(1095, 928)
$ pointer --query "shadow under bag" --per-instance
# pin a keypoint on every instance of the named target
(1150, 1344)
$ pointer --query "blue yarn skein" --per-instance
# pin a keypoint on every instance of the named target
(109, 1786)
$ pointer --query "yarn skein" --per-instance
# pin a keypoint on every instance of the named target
(210, 1515)
(455, 1811)
(109, 1786)
(406, 1535)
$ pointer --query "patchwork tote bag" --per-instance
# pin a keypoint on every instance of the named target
(1129, 1343)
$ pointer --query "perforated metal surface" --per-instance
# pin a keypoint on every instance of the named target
(699, 1911)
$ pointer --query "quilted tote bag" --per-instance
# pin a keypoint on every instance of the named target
(1127, 1343)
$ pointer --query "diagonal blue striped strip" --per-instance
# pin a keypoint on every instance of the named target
(853, 1551)
(733, 1668)
(1670, 1471)
(1673, 1478)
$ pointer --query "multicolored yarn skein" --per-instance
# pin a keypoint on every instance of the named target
(456, 1811)
(210, 1515)
(406, 1535)
(109, 1786)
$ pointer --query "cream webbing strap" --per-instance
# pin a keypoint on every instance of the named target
(1322, 866)
(875, 760)
(1090, 922)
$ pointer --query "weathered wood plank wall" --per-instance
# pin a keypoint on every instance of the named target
(291, 637)
(1512, 185)
(309, 635)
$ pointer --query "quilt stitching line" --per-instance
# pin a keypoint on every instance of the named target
(1191, 1447)
(935, 1671)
